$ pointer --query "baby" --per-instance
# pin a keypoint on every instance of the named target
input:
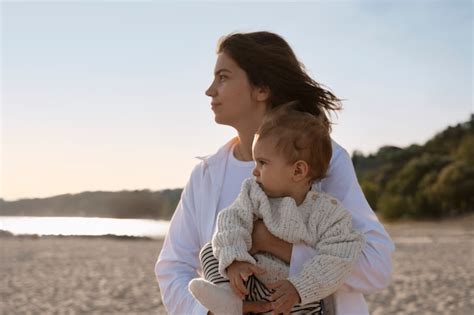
(292, 150)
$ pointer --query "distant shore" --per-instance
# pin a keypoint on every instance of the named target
(6, 234)
(433, 272)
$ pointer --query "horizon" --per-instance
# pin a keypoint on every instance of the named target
(109, 96)
(174, 188)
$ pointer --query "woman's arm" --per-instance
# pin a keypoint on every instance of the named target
(373, 269)
(179, 258)
(264, 241)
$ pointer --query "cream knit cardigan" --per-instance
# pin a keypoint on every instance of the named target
(320, 221)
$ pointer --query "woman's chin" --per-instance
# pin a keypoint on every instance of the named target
(222, 121)
(218, 121)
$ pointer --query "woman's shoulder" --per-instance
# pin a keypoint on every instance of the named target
(218, 156)
(337, 151)
(340, 159)
(212, 160)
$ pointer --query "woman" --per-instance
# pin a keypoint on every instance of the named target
(255, 72)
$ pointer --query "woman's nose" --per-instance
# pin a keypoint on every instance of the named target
(210, 90)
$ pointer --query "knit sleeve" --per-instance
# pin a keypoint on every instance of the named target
(233, 238)
(337, 245)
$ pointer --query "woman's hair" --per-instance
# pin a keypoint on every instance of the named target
(299, 135)
(270, 62)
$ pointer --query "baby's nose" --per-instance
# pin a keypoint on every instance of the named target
(255, 172)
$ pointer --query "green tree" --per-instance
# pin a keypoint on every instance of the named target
(465, 151)
(371, 192)
(405, 194)
(453, 189)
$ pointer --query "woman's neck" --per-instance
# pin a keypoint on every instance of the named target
(243, 149)
(246, 132)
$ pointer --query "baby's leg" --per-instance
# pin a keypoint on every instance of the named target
(260, 292)
(257, 291)
(210, 265)
(316, 308)
(214, 291)
(276, 270)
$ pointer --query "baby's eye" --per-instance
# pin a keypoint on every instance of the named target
(261, 162)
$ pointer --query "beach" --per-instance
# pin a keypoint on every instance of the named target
(433, 273)
(433, 269)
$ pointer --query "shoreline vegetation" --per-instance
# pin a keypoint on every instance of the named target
(419, 182)
(434, 180)
(433, 272)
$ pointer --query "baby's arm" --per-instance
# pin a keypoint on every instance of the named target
(238, 272)
(338, 246)
(233, 238)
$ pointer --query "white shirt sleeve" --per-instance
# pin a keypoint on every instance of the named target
(178, 262)
(373, 270)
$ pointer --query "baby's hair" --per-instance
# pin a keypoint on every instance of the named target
(299, 135)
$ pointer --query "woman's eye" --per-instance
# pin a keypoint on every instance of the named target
(222, 77)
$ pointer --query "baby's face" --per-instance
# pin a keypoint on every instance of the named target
(272, 171)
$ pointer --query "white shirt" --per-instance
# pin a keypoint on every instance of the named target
(194, 220)
(235, 173)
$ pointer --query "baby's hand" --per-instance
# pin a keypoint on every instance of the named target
(238, 272)
(284, 296)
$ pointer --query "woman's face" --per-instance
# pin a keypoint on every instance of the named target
(234, 100)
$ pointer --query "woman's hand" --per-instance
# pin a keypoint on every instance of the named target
(256, 307)
(264, 241)
(284, 296)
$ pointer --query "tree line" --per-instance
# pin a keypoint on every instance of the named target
(434, 180)
(122, 204)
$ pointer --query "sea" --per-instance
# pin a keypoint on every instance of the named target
(84, 226)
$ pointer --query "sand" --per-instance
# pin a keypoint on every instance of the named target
(433, 269)
(79, 275)
(433, 273)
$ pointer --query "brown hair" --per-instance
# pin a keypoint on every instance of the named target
(270, 62)
(299, 135)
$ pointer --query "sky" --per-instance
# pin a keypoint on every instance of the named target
(109, 95)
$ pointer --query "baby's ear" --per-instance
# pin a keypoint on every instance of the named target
(300, 170)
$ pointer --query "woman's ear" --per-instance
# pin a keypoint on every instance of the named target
(262, 93)
(300, 170)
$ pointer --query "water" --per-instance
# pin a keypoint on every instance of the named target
(84, 226)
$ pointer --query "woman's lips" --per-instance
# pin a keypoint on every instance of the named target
(214, 105)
